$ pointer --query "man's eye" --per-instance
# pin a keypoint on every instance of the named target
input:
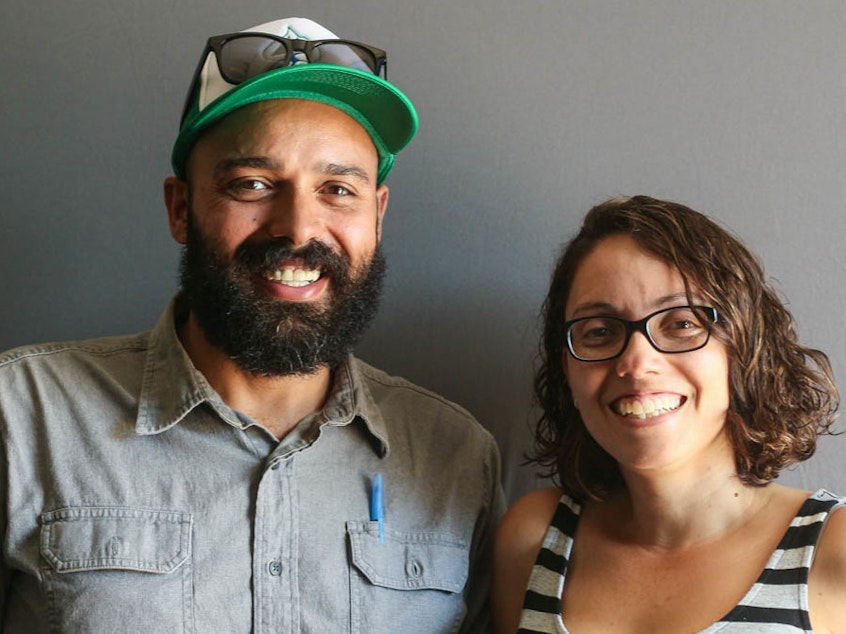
(253, 185)
(248, 189)
(336, 190)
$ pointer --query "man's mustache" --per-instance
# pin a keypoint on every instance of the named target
(313, 255)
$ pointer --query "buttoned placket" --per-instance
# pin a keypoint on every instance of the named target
(276, 592)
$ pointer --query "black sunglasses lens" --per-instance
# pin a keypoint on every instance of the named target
(345, 54)
(244, 57)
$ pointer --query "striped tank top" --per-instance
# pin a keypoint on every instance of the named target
(776, 604)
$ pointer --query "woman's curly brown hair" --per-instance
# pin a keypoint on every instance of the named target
(782, 394)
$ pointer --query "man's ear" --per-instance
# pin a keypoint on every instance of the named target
(176, 196)
(381, 206)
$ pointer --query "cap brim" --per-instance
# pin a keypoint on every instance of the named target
(382, 109)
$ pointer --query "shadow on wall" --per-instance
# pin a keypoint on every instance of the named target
(476, 352)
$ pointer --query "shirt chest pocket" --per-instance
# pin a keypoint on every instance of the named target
(413, 581)
(118, 569)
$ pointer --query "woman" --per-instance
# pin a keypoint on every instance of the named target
(673, 392)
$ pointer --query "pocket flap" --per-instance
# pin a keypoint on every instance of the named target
(409, 560)
(101, 537)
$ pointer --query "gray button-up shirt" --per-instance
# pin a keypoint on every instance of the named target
(132, 499)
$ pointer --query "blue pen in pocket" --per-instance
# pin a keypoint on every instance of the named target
(377, 504)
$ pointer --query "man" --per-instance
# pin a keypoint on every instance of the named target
(236, 469)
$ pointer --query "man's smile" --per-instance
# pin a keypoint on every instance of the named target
(293, 276)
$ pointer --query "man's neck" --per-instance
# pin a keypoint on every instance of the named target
(277, 403)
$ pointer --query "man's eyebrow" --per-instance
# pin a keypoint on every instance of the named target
(263, 162)
(339, 169)
(256, 162)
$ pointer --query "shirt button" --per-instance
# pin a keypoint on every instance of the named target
(274, 568)
(414, 568)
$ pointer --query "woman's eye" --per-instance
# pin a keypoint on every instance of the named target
(683, 328)
(685, 324)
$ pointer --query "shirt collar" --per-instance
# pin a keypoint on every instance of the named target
(172, 387)
(351, 399)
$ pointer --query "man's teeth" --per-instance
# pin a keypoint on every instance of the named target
(294, 277)
(643, 408)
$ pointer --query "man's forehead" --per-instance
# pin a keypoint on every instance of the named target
(269, 163)
(292, 110)
(247, 136)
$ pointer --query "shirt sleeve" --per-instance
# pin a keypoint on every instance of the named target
(477, 594)
(5, 572)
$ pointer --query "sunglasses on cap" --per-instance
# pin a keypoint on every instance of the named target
(244, 55)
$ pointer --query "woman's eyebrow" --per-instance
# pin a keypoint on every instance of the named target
(593, 308)
(606, 308)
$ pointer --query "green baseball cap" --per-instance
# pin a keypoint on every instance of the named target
(379, 107)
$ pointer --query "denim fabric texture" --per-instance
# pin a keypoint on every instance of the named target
(132, 499)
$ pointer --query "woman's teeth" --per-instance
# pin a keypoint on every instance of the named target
(643, 408)
(293, 277)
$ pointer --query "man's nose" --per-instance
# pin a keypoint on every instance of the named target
(295, 215)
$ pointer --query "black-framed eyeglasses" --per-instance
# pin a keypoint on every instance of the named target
(244, 55)
(670, 330)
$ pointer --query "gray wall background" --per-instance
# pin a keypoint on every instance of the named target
(531, 112)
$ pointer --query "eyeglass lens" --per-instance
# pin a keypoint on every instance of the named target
(678, 329)
(244, 57)
(344, 55)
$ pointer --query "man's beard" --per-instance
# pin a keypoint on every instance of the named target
(268, 336)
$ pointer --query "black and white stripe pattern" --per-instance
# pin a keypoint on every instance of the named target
(776, 604)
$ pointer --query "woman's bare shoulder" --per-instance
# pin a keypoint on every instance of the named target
(533, 511)
(518, 541)
(827, 579)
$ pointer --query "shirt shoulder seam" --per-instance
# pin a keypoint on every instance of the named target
(378, 376)
(93, 347)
